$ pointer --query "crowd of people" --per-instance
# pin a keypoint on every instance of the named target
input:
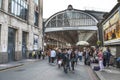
(64, 57)
(104, 58)
(37, 54)
(68, 58)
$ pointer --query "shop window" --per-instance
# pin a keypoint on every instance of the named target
(36, 17)
(1, 3)
(19, 8)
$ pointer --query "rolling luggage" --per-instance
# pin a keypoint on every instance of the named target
(96, 68)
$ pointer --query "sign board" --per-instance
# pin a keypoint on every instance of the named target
(111, 29)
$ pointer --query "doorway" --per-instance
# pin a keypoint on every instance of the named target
(11, 44)
(24, 45)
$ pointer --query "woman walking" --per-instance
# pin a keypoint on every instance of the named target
(100, 57)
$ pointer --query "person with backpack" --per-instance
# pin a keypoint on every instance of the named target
(106, 57)
(65, 62)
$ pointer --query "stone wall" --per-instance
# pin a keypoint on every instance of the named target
(9, 20)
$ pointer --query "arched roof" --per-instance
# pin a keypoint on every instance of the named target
(71, 18)
(75, 24)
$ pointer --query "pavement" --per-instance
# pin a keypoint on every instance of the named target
(16, 64)
(110, 73)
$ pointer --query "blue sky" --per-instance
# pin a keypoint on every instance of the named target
(52, 6)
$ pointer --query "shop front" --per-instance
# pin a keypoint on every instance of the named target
(111, 32)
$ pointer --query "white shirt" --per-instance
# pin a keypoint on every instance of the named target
(53, 53)
(80, 53)
(69, 52)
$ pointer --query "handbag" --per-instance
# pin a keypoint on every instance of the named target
(60, 62)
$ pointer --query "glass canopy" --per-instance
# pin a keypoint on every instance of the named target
(71, 18)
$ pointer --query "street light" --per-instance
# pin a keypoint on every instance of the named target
(43, 36)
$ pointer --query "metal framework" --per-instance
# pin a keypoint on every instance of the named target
(71, 22)
(72, 19)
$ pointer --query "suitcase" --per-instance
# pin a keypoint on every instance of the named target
(96, 68)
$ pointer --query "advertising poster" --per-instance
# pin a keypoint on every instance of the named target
(112, 29)
(35, 42)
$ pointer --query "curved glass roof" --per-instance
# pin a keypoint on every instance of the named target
(68, 19)
(71, 18)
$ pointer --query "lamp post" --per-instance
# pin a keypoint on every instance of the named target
(43, 36)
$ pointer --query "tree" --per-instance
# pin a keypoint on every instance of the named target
(99, 43)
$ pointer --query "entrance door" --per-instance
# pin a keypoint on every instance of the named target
(24, 45)
(11, 44)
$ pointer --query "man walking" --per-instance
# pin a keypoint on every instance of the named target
(53, 55)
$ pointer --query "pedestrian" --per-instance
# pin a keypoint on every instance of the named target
(100, 57)
(106, 57)
(59, 58)
(53, 55)
(73, 59)
(39, 54)
(80, 53)
(43, 54)
(34, 55)
(76, 56)
(69, 53)
(65, 62)
(87, 57)
(49, 57)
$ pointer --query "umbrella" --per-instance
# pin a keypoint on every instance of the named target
(83, 43)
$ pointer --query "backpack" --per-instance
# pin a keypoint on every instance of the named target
(66, 57)
(105, 54)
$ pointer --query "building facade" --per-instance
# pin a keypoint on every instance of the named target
(109, 29)
(20, 28)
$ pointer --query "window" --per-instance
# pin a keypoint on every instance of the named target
(0, 4)
(19, 8)
(36, 15)
(36, 2)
